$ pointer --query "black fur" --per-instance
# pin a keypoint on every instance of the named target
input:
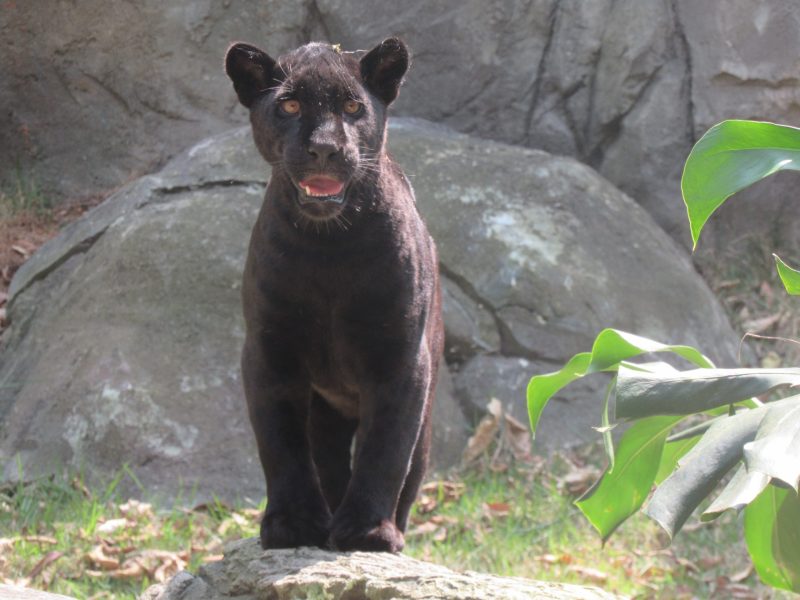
(341, 301)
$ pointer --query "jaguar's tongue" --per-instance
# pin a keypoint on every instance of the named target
(320, 185)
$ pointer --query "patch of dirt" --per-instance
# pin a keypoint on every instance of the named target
(23, 232)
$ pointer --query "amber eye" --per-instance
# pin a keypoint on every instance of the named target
(352, 107)
(290, 107)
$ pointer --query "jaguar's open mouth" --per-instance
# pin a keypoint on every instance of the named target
(321, 188)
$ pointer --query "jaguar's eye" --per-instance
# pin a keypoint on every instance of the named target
(290, 107)
(353, 107)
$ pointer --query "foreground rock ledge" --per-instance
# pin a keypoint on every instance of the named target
(247, 572)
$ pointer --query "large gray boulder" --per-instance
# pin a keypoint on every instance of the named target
(247, 572)
(126, 328)
(9, 592)
(98, 91)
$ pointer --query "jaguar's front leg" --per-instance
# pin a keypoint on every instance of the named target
(278, 402)
(366, 519)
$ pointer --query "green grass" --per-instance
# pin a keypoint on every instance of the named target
(544, 536)
(22, 195)
(52, 537)
(53, 532)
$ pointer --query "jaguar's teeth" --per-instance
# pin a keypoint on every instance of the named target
(308, 190)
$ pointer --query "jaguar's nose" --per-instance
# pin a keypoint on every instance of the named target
(323, 151)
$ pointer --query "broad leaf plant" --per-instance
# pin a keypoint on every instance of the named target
(690, 429)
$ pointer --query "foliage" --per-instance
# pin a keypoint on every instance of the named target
(731, 156)
(690, 430)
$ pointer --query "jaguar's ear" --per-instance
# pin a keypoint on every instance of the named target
(383, 68)
(251, 70)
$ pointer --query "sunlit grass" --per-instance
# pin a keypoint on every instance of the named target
(519, 524)
(56, 534)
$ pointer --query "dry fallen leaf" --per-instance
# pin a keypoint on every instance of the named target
(112, 525)
(133, 508)
(518, 437)
(48, 559)
(554, 559)
(79, 486)
(97, 556)
(440, 535)
(484, 434)
(740, 576)
(448, 491)
(130, 569)
(443, 520)
(708, 562)
(426, 504)
(651, 570)
(550, 559)
(741, 592)
(160, 565)
(253, 514)
(593, 575)
(233, 521)
(765, 291)
(212, 558)
(578, 480)
(497, 509)
(761, 324)
(39, 539)
(212, 547)
(423, 529)
(209, 506)
(694, 526)
(688, 565)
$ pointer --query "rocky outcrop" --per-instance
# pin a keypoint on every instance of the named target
(100, 90)
(247, 573)
(125, 329)
(9, 592)
(740, 69)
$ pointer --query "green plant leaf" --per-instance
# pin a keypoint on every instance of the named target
(610, 348)
(776, 449)
(621, 491)
(701, 469)
(673, 452)
(641, 394)
(741, 490)
(605, 424)
(706, 464)
(730, 157)
(789, 276)
(773, 537)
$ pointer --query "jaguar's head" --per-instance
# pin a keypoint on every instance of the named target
(319, 115)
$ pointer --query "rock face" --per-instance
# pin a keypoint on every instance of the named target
(247, 573)
(8, 592)
(101, 92)
(623, 85)
(126, 329)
